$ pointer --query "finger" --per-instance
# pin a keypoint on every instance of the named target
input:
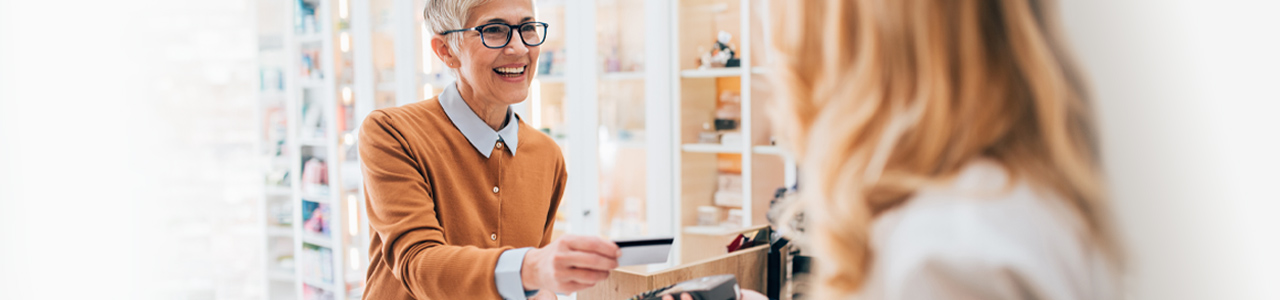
(686, 296)
(570, 287)
(594, 245)
(667, 297)
(584, 260)
(582, 275)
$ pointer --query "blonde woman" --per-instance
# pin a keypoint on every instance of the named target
(947, 151)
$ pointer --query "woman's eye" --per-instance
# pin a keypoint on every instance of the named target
(492, 29)
(527, 28)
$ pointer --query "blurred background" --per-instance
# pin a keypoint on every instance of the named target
(169, 149)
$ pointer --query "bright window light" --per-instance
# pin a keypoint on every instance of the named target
(344, 41)
(355, 258)
(428, 90)
(535, 109)
(346, 95)
(342, 9)
(428, 57)
(353, 215)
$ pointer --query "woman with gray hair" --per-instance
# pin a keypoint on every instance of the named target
(454, 210)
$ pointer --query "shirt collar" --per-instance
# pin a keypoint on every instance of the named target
(481, 136)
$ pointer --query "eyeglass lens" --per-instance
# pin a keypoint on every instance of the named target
(497, 35)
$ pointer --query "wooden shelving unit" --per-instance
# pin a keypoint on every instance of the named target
(737, 176)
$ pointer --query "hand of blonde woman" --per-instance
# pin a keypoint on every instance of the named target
(544, 295)
(569, 264)
(746, 295)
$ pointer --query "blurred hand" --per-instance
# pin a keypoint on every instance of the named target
(569, 264)
(746, 295)
(544, 295)
(753, 295)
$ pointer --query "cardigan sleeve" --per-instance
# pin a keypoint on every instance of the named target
(402, 213)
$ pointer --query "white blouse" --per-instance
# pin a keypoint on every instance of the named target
(978, 238)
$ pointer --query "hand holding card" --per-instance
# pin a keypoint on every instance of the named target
(644, 251)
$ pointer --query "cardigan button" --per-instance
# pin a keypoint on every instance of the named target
(493, 236)
(499, 145)
(495, 189)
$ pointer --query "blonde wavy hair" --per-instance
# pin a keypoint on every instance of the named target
(879, 98)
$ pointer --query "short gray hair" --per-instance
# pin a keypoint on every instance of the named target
(444, 15)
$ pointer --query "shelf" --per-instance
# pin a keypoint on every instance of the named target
(388, 86)
(271, 96)
(309, 38)
(711, 73)
(318, 240)
(280, 161)
(279, 231)
(711, 230)
(318, 198)
(313, 142)
(310, 83)
(280, 276)
(548, 78)
(709, 148)
(278, 191)
(317, 283)
(619, 76)
(771, 150)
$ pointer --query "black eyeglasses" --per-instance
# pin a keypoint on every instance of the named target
(498, 35)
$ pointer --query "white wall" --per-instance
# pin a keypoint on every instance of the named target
(126, 162)
(1190, 112)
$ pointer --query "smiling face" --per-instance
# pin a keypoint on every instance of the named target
(496, 77)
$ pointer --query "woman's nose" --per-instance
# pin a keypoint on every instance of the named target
(516, 46)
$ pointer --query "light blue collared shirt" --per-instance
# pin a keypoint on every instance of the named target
(506, 276)
(477, 132)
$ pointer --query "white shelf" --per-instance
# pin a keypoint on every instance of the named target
(772, 150)
(318, 240)
(619, 76)
(389, 86)
(310, 38)
(271, 96)
(310, 82)
(279, 231)
(280, 276)
(712, 72)
(313, 142)
(321, 285)
(317, 198)
(710, 148)
(548, 78)
(711, 230)
(278, 191)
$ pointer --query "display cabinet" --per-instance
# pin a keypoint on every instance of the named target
(315, 224)
(274, 123)
(728, 166)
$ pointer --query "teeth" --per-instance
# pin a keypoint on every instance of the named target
(510, 70)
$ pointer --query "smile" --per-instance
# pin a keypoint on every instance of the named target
(510, 72)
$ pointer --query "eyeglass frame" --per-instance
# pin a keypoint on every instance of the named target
(513, 29)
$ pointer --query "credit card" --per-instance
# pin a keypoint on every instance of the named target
(644, 251)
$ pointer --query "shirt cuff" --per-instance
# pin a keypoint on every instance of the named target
(506, 276)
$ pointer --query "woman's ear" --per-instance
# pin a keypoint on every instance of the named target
(441, 48)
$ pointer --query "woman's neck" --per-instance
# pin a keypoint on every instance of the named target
(494, 115)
